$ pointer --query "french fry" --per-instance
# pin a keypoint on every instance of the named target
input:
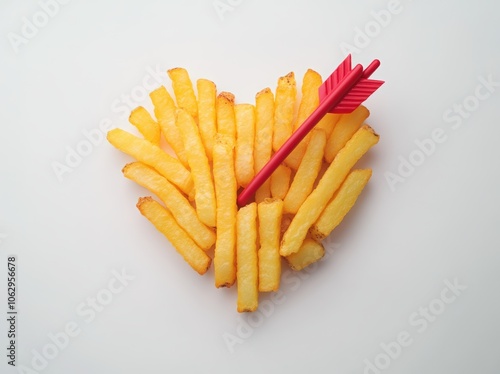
(340, 204)
(165, 223)
(286, 219)
(328, 122)
(225, 193)
(207, 120)
(303, 181)
(245, 136)
(284, 109)
(246, 258)
(226, 124)
(309, 102)
(316, 202)
(322, 170)
(280, 181)
(310, 251)
(310, 96)
(270, 213)
(154, 156)
(263, 146)
(176, 202)
(165, 114)
(345, 128)
(183, 90)
(147, 126)
(204, 193)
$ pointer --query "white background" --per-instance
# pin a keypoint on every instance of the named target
(390, 256)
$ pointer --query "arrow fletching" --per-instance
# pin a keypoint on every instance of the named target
(333, 80)
(359, 93)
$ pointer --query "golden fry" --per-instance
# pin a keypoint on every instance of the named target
(304, 179)
(147, 126)
(310, 96)
(164, 222)
(183, 90)
(328, 122)
(284, 109)
(310, 251)
(316, 202)
(226, 123)
(280, 181)
(309, 102)
(204, 193)
(270, 213)
(286, 219)
(245, 137)
(340, 204)
(176, 202)
(225, 193)
(344, 130)
(246, 258)
(165, 114)
(207, 120)
(154, 156)
(263, 146)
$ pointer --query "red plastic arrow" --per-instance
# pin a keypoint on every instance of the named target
(342, 92)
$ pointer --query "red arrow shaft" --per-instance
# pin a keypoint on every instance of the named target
(333, 99)
(371, 68)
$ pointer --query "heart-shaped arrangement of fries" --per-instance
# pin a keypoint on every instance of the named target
(197, 152)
